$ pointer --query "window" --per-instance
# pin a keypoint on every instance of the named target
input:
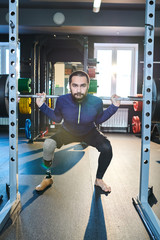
(4, 58)
(7, 61)
(117, 69)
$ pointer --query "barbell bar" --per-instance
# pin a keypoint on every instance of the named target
(130, 98)
(35, 96)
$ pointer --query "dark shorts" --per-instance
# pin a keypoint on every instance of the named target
(94, 138)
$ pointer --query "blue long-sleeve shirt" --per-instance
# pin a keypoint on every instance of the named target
(79, 118)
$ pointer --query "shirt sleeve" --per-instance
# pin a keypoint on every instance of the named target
(104, 115)
(54, 114)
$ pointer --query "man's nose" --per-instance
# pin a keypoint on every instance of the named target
(78, 89)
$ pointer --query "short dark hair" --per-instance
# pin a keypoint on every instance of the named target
(80, 74)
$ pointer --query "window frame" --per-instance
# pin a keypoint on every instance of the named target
(134, 73)
(3, 47)
(3, 68)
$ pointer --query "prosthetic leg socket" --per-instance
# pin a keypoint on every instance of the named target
(48, 151)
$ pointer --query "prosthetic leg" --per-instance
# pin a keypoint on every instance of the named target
(48, 154)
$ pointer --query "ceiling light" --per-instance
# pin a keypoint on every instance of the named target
(96, 5)
(58, 18)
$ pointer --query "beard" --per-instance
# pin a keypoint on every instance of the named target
(78, 96)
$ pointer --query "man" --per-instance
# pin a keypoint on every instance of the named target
(81, 113)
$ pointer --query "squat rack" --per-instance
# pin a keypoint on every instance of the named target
(12, 207)
(141, 204)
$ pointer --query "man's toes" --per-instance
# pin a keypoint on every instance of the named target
(106, 188)
(103, 185)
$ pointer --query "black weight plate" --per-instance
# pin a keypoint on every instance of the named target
(156, 104)
(3, 96)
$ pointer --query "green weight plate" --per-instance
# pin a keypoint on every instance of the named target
(24, 85)
(93, 86)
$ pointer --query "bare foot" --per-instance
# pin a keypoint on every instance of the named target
(100, 183)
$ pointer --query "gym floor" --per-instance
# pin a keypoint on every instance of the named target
(73, 209)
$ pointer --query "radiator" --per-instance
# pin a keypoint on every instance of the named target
(117, 123)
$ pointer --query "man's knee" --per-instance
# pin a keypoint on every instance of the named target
(48, 151)
(106, 148)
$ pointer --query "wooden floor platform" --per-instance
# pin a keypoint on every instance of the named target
(73, 208)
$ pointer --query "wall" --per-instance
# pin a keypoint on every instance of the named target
(57, 50)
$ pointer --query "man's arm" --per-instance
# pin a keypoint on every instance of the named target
(112, 109)
(55, 114)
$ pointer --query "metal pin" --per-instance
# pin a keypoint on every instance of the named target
(12, 25)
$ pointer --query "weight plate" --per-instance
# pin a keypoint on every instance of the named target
(24, 105)
(136, 124)
(138, 105)
(91, 72)
(24, 85)
(27, 128)
(156, 101)
(93, 86)
(4, 104)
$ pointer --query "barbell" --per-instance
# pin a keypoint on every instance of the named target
(25, 101)
(4, 94)
(4, 97)
(130, 98)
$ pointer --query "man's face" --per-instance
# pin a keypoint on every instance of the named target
(79, 87)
